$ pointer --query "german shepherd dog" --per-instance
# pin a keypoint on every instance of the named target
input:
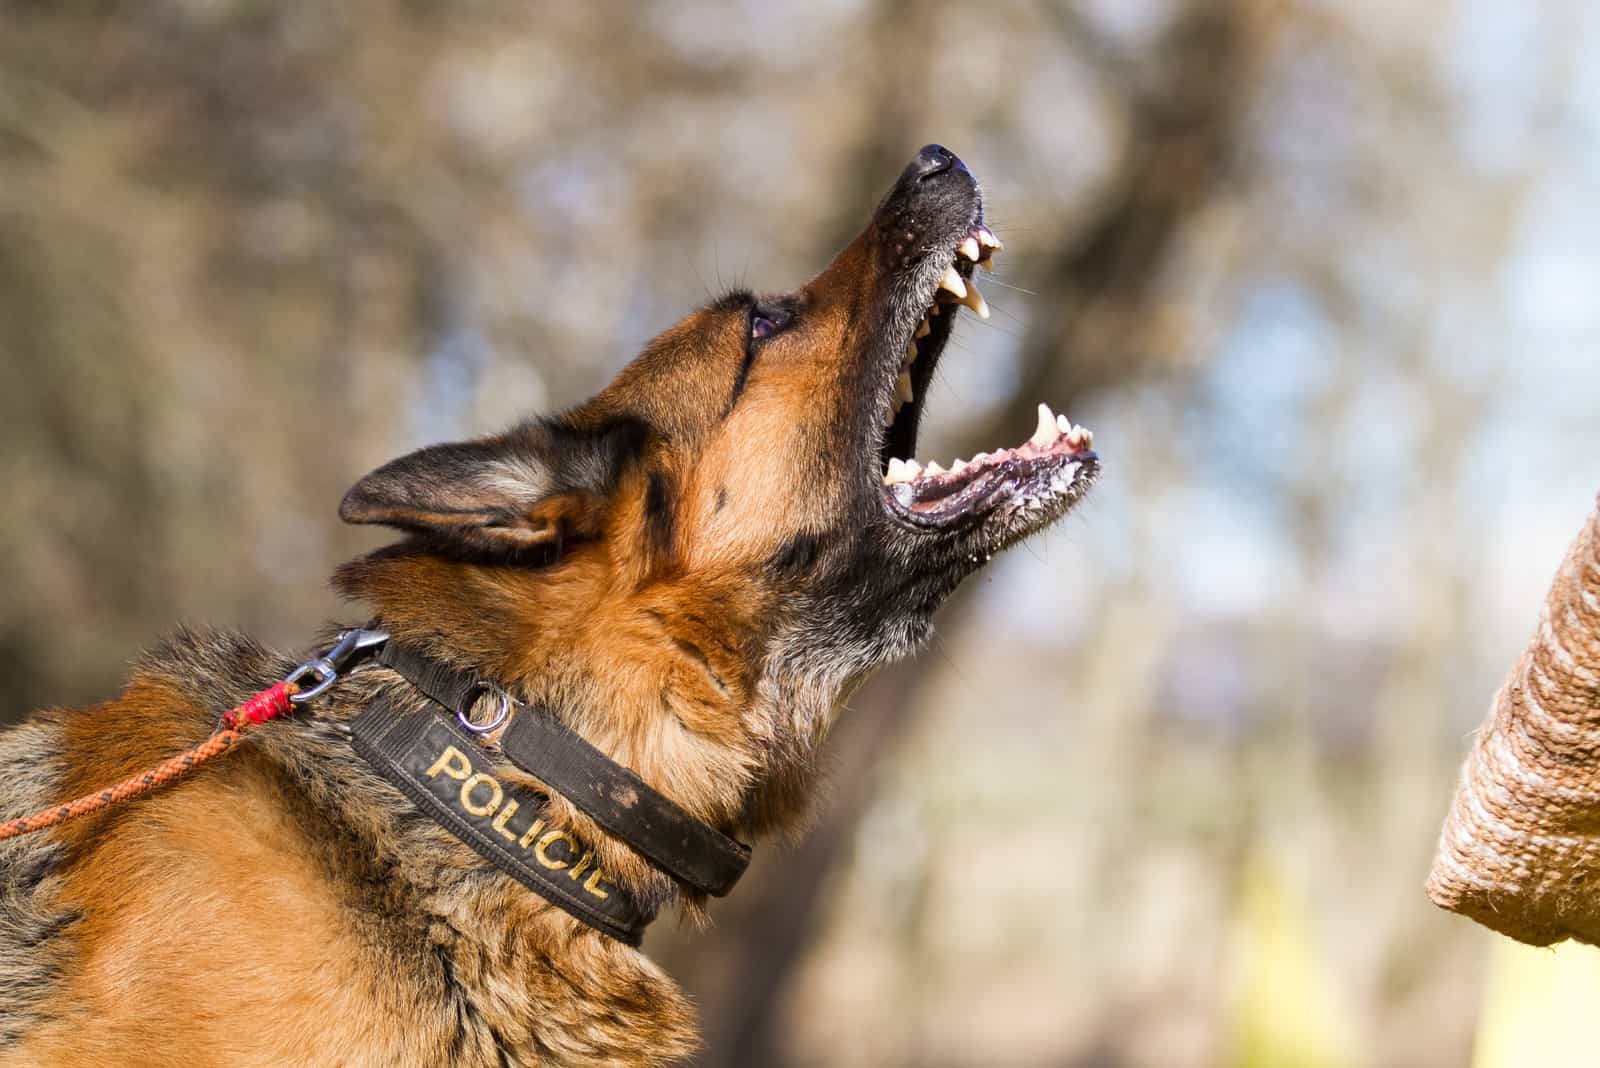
(689, 572)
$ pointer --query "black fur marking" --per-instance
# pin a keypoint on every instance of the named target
(658, 513)
(797, 555)
(744, 376)
(733, 300)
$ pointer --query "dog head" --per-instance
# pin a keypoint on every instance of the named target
(735, 527)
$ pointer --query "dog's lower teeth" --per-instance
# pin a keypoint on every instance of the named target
(1047, 432)
(901, 471)
(903, 389)
(923, 329)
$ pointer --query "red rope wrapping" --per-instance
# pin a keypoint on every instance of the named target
(268, 704)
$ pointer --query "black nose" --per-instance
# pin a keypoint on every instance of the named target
(935, 160)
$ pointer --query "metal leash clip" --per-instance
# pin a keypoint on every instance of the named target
(328, 666)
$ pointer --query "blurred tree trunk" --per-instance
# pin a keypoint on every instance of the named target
(1099, 323)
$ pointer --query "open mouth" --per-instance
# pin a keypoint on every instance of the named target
(1038, 479)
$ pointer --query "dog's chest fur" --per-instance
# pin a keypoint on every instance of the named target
(354, 931)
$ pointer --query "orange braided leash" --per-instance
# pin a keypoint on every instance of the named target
(268, 704)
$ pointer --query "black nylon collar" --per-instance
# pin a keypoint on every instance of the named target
(613, 796)
(459, 784)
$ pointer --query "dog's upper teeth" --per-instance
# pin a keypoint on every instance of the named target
(902, 388)
(974, 300)
(987, 239)
(933, 468)
(923, 329)
(969, 248)
(958, 467)
(1047, 432)
(952, 282)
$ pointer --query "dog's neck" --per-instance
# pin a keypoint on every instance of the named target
(658, 679)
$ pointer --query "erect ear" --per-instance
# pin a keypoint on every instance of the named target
(539, 484)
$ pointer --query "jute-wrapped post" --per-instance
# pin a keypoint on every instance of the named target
(1520, 850)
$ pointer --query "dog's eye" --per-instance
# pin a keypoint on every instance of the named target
(766, 322)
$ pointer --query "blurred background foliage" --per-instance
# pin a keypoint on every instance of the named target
(1319, 274)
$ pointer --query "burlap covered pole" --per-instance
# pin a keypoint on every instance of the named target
(1520, 850)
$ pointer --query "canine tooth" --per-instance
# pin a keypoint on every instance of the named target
(1046, 434)
(933, 468)
(975, 301)
(969, 248)
(902, 386)
(952, 281)
(923, 329)
(1064, 424)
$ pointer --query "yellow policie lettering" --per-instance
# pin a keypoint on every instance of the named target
(531, 833)
(454, 764)
(544, 843)
(496, 795)
(501, 820)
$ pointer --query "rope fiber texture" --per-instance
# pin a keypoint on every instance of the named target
(1520, 849)
(268, 704)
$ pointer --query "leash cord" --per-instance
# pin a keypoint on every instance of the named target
(269, 704)
(276, 700)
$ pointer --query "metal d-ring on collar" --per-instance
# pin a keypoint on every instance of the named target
(464, 716)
